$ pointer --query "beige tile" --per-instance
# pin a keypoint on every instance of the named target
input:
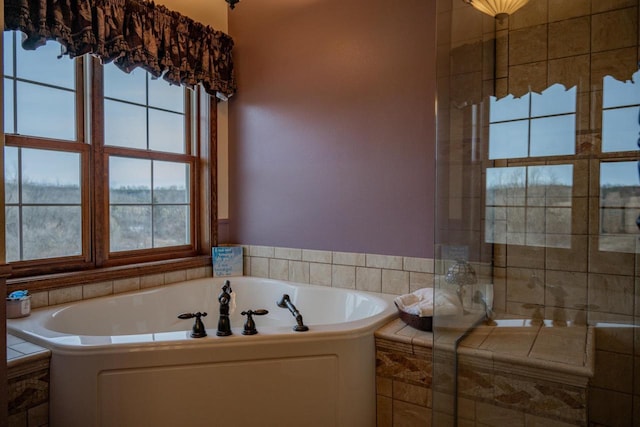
(316, 256)
(39, 299)
(636, 376)
(609, 408)
(369, 279)
(525, 285)
(614, 30)
(408, 414)
(569, 37)
(636, 299)
(65, 295)
(619, 62)
(565, 288)
(528, 45)
(598, 6)
(574, 258)
(95, 290)
(411, 393)
(278, 269)
(614, 371)
(502, 57)
(349, 258)
(513, 341)
(500, 289)
(525, 256)
(533, 13)
(246, 265)
(608, 262)
(384, 411)
(613, 332)
(466, 409)
(491, 415)
(262, 251)
(151, 281)
(563, 345)
(536, 421)
(320, 274)
(39, 415)
(197, 273)
(466, 58)
(611, 294)
(259, 267)
(562, 9)
(420, 265)
(384, 261)
(343, 276)
(420, 280)
(384, 386)
(299, 271)
(395, 282)
(126, 285)
(175, 276)
(526, 77)
(570, 71)
(288, 253)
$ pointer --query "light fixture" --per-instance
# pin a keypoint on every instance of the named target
(500, 9)
(232, 3)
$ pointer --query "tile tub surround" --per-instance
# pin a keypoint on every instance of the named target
(95, 290)
(540, 378)
(28, 375)
(388, 274)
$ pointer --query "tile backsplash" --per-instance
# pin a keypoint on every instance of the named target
(388, 274)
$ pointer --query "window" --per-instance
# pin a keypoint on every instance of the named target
(149, 162)
(529, 205)
(122, 186)
(619, 191)
(534, 125)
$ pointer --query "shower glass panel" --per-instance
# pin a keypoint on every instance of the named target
(538, 194)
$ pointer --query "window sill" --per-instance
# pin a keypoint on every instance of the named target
(61, 280)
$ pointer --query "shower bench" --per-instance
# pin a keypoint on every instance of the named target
(512, 374)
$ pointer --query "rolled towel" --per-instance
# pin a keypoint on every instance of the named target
(421, 302)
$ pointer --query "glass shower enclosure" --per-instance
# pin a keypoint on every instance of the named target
(537, 201)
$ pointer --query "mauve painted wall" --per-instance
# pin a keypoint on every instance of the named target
(332, 132)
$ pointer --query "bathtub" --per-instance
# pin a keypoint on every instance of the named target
(128, 360)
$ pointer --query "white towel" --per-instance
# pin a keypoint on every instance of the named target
(421, 302)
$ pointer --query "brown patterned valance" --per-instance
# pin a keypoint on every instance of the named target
(131, 33)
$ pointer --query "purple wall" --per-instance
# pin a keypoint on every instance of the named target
(332, 132)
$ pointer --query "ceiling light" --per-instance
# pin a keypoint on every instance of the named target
(500, 9)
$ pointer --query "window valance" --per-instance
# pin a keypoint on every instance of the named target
(131, 33)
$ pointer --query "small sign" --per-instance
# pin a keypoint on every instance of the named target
(227, 261)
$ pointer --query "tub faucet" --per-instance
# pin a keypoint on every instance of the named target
(285, 302)
(224, 325)
(480, 298)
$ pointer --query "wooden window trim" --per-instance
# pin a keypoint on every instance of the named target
(97, 265)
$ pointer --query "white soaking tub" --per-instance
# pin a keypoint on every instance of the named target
(127, 360)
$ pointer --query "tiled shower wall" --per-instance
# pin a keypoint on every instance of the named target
(367, 272)
(576, 43)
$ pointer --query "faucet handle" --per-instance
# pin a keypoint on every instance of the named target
(198, 330)
(250, 324)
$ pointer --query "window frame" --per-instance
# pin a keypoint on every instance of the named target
(96, 263)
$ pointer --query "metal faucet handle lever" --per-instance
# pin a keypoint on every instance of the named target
(198, 330)
(250, 324)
